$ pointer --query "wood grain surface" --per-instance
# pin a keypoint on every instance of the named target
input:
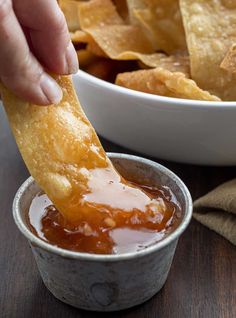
(201, 283)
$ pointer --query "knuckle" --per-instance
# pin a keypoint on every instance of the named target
(27, 68)
(5, 8)
(30, 69)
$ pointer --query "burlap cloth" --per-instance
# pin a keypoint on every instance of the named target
(217, 210)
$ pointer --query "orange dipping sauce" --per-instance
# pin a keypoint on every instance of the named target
(124, 232)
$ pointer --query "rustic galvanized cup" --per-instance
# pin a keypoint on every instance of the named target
(107, 282)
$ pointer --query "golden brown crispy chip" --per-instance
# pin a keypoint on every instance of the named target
(183, 87)
(94, 48)
(64, 155)
(101, 68)
(143, 81)
(177, 63)
(98, 13)
(116, 40)
(70, 10)
(162, 82)
(163, 22)
(121, 7)
(173, 63)
(210, 31)
(85, 57)
(229, 61)
(83, 37)
(58, 144)
(120, 41)
(132, 6)
(80, 36)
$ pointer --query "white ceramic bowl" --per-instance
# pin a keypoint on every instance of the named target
(174, 129)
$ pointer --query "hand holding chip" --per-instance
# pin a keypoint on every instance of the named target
(36, 39)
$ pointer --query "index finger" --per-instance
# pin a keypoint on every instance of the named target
(19, 69)
(49, 34)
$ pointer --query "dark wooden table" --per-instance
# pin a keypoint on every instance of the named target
(201, 283)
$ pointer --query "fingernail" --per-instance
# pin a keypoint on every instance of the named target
(71, 60)
(51, 89)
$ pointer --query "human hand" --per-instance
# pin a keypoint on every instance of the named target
(34, 38)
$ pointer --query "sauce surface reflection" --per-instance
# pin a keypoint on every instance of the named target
(130, 217)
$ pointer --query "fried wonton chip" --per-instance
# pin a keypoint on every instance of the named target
(121, 7)
(177, 63)
(132, 6)
(101, 68)
(58, 145)
(70, 10)
(173, 63)
(210, 31)
(109, 31)
(85, 58)
(80, 36)
(143, 81)
(183, 87)
(120, 41)
(98, 13)
(229, 61)
(163, 22)
(94, 48)
(162, 82)
(116, 40)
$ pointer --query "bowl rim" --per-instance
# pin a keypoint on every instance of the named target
(178, 102)
(37, 242)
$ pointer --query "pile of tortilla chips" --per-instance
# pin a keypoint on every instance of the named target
(175, 48)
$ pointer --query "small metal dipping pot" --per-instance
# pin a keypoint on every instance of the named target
(107, 282)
